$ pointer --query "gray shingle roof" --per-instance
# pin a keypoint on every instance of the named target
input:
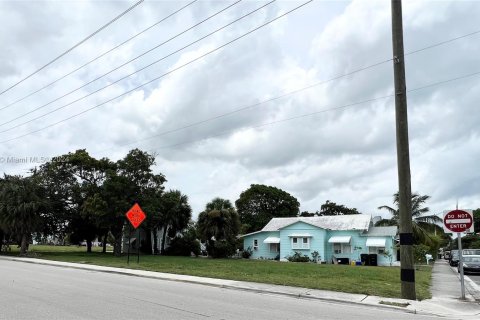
(347, 222)
(381, 231)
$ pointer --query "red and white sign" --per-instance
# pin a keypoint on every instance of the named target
(458, 221)
(136, 215)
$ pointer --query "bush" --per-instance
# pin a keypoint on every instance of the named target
(221, 248)
(182, 246)
(247, 253)
(419, 252)
(297, 257)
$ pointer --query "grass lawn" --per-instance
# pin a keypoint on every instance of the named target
(378, 281)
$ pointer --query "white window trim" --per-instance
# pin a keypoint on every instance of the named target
(255, 247)
(300, 245)
(342, 248)
(376, 250)
(277, 247)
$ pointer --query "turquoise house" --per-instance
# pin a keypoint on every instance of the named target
(337, 239)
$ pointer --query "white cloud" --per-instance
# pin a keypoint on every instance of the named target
(344, 156)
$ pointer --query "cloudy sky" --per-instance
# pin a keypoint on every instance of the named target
(219, 123)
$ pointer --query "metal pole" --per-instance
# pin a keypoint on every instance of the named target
(407, 274)
(129, 238)
(138, 246)
(460, 264)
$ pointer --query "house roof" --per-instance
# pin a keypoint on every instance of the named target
(346, 222)
(381, 232)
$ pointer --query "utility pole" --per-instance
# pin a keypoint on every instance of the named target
(407, 275)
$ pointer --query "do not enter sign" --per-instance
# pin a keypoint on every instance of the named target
(458, 220)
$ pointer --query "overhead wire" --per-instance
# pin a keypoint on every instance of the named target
(123, 78)
(99, 56)
(122, 65)
(72, 48)
(336, 108)
(163, 75)
(289, 93)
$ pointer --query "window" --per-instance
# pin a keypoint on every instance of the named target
(300, 243)
(337, 248)
(274, 247)
(376, 250)
(255, 244)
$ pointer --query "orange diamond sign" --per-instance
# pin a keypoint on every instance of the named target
(136, 215)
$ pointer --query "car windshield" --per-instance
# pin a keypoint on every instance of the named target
(471, 259)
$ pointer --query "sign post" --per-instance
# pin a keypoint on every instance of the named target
(458, 221)
(136, 216)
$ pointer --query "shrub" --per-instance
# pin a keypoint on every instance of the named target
(221, 248)
(247, 253)
(297, 257)
(183, 246)
(315, 256)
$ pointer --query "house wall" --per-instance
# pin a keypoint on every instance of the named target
(317, 241)
(356, 243)
(358, 246)
(263, 251)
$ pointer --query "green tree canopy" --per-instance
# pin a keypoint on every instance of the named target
(175, 214)
(423, 225)
(260, 203)
(332, 209)
(22, 207)
(219, 226)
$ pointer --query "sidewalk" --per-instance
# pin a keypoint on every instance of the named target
(445, 300)
(446, 293)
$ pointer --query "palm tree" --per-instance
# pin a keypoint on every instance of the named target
(175, 213)
(219, 223)
(21, 207)
(422, 224)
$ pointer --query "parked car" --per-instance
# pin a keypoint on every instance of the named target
(453, 261)
(471, 264)
(446, 255)
(470, 252)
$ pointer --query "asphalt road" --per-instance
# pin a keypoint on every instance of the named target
(475, 278)
(31, 291)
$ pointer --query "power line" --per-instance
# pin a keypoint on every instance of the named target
(124, 64)
(341, 107)
(163, 75)
(72, 48)
(121, 79)
(235, 111)
(98, 57)
(286, 94)
(259, 103)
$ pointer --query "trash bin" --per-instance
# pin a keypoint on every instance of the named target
(364, 259)
(372, 259)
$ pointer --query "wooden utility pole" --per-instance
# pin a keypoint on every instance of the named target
(407, 275)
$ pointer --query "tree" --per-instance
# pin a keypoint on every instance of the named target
(333, 209)
(259, 204)
(218, 226)
(175, 214)
(131, 181)
(78, 178)
(22, 205)
(423, 225)
(476, 220)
